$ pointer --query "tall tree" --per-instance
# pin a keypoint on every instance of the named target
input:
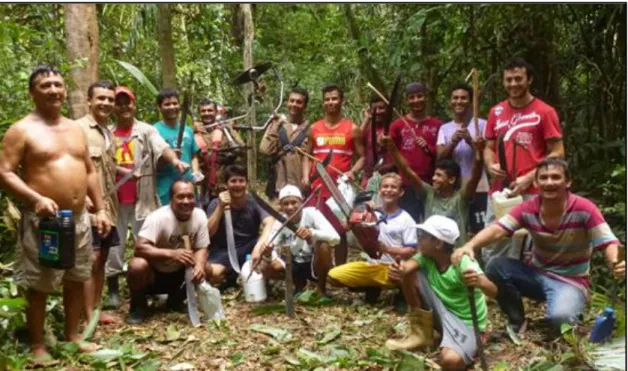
(81, 28)
(166, 46)
(247, 48)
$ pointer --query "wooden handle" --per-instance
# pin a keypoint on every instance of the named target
(476, 102)
(187, 245)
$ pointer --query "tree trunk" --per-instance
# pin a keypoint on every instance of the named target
(166, 46)
(81, 29)
(249, 36)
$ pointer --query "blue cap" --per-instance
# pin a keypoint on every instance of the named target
(248, 257)
(609, 311)
(65, 213)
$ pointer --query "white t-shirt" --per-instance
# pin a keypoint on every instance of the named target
(398, 231)
(463, 153)
(163, 229)
(322, 230)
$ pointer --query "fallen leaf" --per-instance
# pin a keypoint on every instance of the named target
(182, 367)
(279, 334)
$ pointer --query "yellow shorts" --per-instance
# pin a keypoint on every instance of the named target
(30, 274)
(362, 274)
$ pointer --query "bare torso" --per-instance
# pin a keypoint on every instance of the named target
(54, 160)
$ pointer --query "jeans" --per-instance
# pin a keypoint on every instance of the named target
(515, 280)
(115, 260)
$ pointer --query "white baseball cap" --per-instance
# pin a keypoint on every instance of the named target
(442, 228)
(288, 191)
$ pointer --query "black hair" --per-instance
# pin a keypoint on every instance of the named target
(331, 87)
(519, 63)
(44, 69)
(178, 180)
(302, 92)
(462, 86)
(104, 84)
(207, 102)
(234, 170)
(451, 167)
(375, 98)
(554, 161)
(166, 93)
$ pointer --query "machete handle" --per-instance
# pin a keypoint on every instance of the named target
(187, 245)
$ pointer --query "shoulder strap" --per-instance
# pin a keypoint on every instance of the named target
(300, 137)
(283, 136)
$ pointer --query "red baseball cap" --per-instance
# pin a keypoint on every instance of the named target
(124, 90)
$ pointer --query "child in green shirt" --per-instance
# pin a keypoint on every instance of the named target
(433, 286)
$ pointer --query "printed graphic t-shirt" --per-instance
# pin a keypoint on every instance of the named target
(125, 157)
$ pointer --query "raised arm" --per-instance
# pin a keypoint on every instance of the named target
(486, 236)
(401, 163)
(270, 141)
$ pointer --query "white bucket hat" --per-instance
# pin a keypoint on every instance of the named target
(288, 191)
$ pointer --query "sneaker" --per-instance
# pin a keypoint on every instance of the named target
(136, 316)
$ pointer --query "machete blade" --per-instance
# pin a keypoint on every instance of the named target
(274, 213)
(392, 101)
(501, 153)
(252, 73)
(184, 116)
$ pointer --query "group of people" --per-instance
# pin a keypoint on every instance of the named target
(432, 183)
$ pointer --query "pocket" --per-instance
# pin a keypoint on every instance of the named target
(95, 153)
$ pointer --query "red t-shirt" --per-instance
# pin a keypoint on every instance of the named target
(125, 157)
(340, 139)
(420, 160)
(530, 126)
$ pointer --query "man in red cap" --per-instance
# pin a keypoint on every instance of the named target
(139, 149)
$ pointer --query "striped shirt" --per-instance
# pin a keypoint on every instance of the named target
(564, 251)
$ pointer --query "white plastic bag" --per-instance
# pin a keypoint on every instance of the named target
(210, 302)
(348, 193)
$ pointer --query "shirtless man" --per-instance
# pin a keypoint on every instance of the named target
(57, 174)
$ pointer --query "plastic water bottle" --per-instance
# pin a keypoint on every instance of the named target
(255, 287)
(56, 241)
(603, 327)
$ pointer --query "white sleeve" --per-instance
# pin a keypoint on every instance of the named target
(274, 229)
(151, 227)
(409, 233)
(441, 140)
(322, 230)
(202, 230)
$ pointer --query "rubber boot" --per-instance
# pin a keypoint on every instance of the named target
(114, 295)
(137, 310)
(421, 332)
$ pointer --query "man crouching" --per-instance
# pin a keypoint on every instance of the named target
(440, 290)
(160, 257)
(310, 245)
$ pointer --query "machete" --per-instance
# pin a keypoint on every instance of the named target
(231, 249)
(190, 289)
(184, 116)
(392, 101)
(501, 154)
(286, 222)
(476, 328)
(129, 175)
(333, 189)
(274, 213)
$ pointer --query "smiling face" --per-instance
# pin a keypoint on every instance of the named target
(183, 201)
(552, 182)
(296, 105)
(124, 108)
(441, 181)
(390, 190)
(332, 102)
(207, 113)
(416, 102)
(237, 185)
(516, 82)
(289, 205)
(48, 92)
(170, 108)
(460, 102)
(101, 103)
